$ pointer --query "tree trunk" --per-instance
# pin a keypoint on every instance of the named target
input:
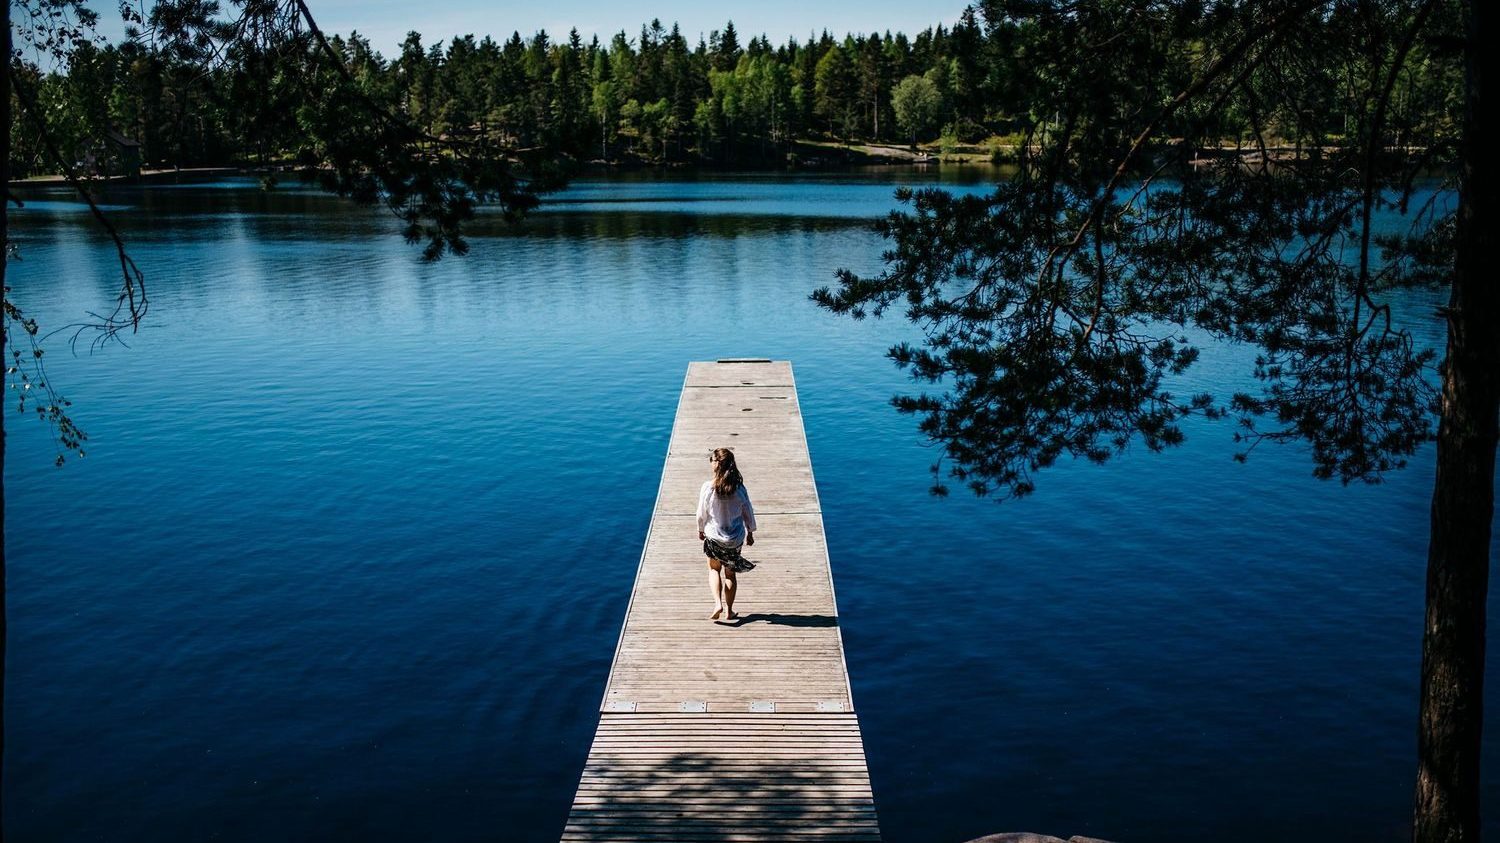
(4, 346)
(1452, 703)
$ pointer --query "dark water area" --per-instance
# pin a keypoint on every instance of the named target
(351, 547)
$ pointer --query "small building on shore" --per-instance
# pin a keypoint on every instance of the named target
(123, 153)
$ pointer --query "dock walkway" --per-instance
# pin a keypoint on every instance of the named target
(741, 731)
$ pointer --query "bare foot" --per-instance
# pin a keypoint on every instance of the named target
(717, 612)
(732, 616)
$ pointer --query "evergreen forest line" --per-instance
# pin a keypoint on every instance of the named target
(974, 88)
(649, 99)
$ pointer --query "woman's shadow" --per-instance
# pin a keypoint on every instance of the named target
(783, 620)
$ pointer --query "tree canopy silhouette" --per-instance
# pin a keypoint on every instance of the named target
(1231, 171)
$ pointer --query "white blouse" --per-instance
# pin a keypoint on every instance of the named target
(725, 520)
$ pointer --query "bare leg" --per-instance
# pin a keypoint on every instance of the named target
(731, 585)
(716, 588)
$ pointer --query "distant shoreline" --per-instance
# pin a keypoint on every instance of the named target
(805, 157)
(144, 177)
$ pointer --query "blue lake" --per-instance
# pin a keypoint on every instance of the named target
(354, 538)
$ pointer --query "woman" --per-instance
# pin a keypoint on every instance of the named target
(725, 523)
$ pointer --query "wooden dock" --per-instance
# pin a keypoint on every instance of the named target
(741, 731)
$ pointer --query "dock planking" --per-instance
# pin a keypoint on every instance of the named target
(730, 731)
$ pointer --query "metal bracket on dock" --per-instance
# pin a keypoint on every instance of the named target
(763, 706)
(830, 705)
(620, 705)
(693, 705)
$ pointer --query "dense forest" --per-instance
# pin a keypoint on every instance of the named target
(654, 97)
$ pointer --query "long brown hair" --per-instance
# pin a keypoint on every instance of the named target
(727, 479)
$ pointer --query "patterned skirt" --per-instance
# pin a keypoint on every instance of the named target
(728, 556)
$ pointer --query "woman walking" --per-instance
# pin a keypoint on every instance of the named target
(725, 523)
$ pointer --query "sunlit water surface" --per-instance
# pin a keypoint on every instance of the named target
(355, 534)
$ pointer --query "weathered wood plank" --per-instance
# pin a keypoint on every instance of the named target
(769, 716)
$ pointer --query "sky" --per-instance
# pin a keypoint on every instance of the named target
(386, 22)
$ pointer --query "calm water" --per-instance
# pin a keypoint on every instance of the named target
(354, 538)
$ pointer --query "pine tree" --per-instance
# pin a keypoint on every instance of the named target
(726, 53)
(1054, 308)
